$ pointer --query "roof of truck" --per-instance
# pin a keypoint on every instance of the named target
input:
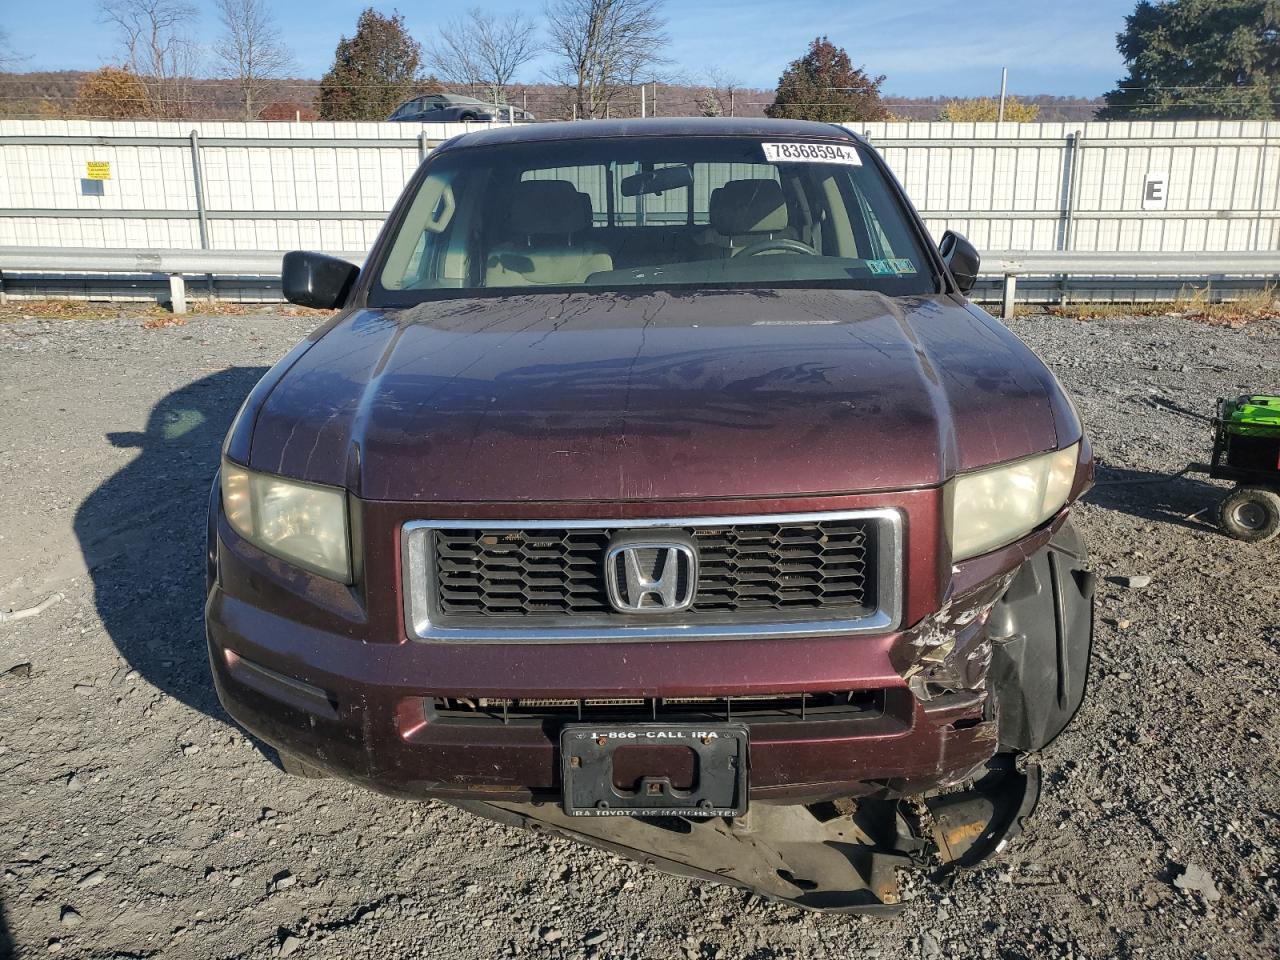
(654, 127)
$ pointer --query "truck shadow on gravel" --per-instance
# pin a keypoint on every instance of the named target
(142, 535)
(1185, 501)
(6, 941)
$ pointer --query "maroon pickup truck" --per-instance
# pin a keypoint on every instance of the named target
(656, 484)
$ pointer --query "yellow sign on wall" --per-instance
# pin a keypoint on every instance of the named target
(98, 170)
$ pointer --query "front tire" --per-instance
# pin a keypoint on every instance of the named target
(1251, 514)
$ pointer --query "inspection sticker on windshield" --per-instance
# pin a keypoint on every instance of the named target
(891, 268)
(811, 153)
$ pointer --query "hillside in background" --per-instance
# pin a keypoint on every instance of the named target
(53, 94)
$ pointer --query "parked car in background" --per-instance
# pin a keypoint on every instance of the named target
(657, 485)
(452, 108)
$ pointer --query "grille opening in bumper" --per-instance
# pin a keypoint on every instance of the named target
(769, 575)
(807, 707)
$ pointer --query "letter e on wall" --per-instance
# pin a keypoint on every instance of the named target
(1155, 191)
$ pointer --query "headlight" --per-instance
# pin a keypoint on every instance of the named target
(303, 523)
(997, 506)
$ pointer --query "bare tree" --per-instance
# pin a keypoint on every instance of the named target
(603, 47)
(155, 36)
(8, 58)
(249, 54)
(482, 49)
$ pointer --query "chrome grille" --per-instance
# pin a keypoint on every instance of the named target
(497, 573)
(757, 576)
(764, 570)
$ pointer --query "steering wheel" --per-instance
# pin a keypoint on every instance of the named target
(781, 245)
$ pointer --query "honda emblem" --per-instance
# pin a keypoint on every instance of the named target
(650, 576)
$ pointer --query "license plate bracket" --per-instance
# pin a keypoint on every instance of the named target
(719, 787)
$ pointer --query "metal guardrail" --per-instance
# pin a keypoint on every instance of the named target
(1014, 264)
(1009, 265)
(175, 264)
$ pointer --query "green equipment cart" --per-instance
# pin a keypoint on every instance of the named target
(1246, 451)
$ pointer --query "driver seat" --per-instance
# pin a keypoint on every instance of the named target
(743, 212)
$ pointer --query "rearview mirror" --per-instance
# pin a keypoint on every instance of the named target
(316, 280)
(656, 181)
(961, 258)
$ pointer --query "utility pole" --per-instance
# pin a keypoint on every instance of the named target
(642, 92)
(1004, 84)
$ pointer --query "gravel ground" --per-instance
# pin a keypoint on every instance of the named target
(137, 820)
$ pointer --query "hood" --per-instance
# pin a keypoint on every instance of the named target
(656, 396)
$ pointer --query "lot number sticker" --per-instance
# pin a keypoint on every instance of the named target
(811, 153)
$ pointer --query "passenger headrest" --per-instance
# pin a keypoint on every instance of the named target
(548, 206)
(748, 206)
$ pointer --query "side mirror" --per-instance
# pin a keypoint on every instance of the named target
(127, 439)
(315, 280)
(961, 258)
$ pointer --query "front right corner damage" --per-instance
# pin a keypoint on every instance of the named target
(999, 672)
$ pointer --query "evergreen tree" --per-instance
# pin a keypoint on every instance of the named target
(1199, 59)
(825, 85)
(373, 71)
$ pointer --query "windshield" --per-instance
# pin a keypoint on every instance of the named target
(658, 212)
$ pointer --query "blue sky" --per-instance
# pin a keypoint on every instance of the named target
(943, 47)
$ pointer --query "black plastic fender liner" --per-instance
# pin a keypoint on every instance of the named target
(974, 824)
(1042, 636)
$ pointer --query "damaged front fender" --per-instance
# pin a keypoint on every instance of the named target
(1023, 638)
(949, 651)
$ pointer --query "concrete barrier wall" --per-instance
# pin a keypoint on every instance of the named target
(279, 186)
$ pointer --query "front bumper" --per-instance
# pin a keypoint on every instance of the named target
(307, 678)
(371, 723)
